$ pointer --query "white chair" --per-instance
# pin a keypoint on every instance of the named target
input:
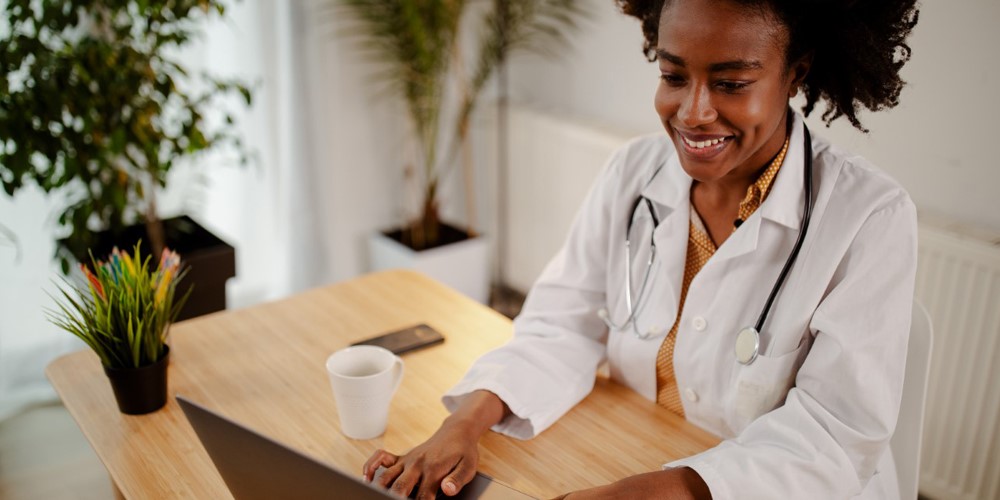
(905, 442)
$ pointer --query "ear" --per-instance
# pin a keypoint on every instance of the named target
(797, 72)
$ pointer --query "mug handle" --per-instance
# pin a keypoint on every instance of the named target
(398, 369)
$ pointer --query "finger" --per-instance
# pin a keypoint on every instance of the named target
(389, 475)
(429, 484)
(460, 476)
(380, 458)
(406, 481)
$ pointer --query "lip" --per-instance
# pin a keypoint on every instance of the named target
(706, 152)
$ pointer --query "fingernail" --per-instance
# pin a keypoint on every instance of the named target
(449, 487)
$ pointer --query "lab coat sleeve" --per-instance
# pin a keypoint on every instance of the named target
(827, 438)
(550, 363)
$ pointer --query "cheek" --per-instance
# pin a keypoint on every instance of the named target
(765, 106)
(751, 113)
(662, 102)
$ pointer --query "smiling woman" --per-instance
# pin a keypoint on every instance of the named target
(735, 196)
(723, 99)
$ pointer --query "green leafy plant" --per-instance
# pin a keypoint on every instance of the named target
(94, 106)
(123, 308)
(417, 43)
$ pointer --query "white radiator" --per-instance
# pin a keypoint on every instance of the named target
(958, 280)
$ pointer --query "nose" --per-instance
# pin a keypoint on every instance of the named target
(696, 107)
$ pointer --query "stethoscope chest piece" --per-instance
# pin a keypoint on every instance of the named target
(747, 345)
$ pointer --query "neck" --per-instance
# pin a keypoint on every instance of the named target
(732, 188)
(723, 195)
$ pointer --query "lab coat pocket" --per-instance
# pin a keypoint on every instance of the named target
(762, 385)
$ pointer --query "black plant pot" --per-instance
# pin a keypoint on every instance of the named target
(447, 234)
(140, 390)
(210, 261)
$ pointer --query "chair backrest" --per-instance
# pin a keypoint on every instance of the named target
(905, 442)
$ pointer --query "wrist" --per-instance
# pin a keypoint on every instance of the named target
(694, 484)
(480, 411)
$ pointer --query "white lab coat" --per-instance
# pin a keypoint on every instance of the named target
(811, 417)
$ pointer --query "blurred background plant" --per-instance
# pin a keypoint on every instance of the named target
(93, 107)
(424, 56)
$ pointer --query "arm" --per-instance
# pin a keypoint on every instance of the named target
(559, 340)
(680, 483)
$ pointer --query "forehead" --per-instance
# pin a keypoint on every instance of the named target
(713, 31)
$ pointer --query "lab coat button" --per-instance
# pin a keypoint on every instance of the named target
(699, 323)
(691, 395)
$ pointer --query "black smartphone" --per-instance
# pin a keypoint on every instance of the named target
(407, 339)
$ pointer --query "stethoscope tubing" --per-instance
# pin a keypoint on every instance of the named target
(803, 227)
(631, 307)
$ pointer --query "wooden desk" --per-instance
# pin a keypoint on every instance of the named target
(264, 366)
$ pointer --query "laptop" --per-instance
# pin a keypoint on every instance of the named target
(257, 467)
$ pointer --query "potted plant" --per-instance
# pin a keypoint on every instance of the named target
(424, 57)
(122, 310)
(95, 107)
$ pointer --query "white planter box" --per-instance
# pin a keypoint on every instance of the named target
(464, 266)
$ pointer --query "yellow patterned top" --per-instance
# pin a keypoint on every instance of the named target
(762, 186)
(699, 250)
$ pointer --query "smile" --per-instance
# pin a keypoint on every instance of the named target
(704, 147)
(703, 144)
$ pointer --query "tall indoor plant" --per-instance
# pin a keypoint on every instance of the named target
(95, 107)
(424, 57)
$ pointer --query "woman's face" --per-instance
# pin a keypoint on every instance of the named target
(724, 87)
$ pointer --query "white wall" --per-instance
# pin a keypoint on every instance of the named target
(936, 142)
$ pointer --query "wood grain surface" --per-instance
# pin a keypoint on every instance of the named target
(264, 367)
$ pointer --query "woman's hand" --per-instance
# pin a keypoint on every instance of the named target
(671, 484)
(448, 460)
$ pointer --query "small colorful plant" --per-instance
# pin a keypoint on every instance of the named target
(123, 309)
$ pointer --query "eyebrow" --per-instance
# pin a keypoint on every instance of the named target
(714, 67)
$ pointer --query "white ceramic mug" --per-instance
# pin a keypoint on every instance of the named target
(364, 378)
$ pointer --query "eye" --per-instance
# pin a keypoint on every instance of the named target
(732, 86)
(672, 79)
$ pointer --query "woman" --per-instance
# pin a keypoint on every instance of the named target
(806, 406)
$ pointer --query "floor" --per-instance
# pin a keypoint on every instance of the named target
(43, 455)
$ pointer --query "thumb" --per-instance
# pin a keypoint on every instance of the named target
(461, 475)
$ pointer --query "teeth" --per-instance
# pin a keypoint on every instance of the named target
(702, 144)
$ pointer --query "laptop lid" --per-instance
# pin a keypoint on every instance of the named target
(257, 467)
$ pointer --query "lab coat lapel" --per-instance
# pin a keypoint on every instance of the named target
(670, 192)
(782, 206)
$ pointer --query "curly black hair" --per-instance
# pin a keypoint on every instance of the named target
(858, 48)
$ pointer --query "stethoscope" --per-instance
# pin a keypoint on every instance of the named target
(748, 339)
